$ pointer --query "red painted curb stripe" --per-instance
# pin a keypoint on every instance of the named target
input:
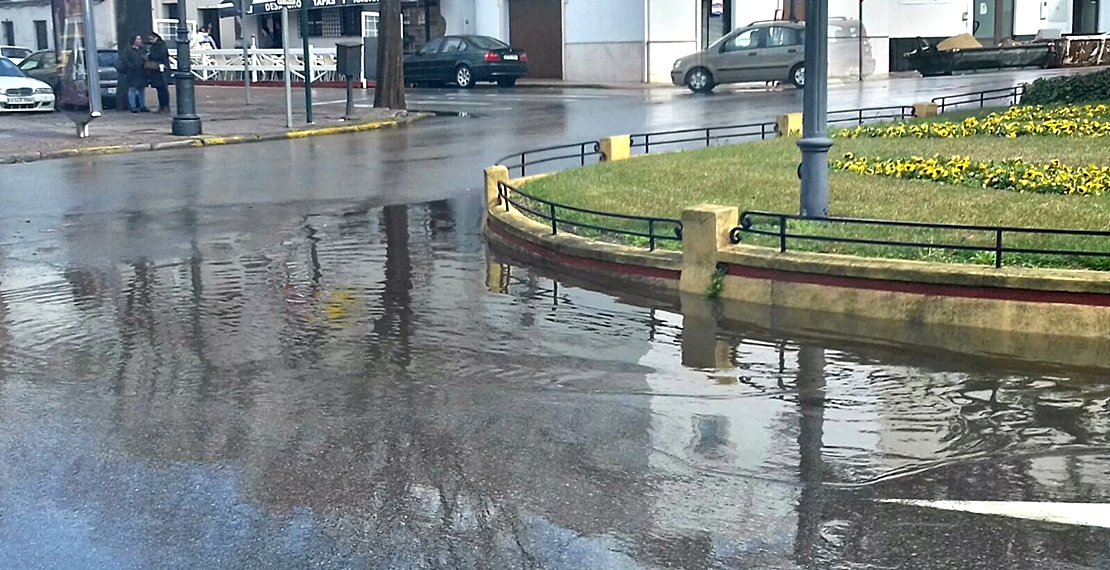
(575, 261)
(1026, 295)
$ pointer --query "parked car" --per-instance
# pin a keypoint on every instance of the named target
(464, 61)
(771, 51)
(21, 93)
(43, 66)
(15, 54)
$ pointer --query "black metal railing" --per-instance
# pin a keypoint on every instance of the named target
(866, 115)
(574, 154)
(779, 228)
(979, 99)
(702, 137)
(652, 229)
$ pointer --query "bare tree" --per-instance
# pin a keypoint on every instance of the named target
(389, 86)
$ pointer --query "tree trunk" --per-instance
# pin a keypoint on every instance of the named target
(389, 86)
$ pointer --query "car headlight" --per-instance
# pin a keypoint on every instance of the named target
(43, 91)
(677, 64)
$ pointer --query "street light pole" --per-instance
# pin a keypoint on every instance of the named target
(815, 141)
(186, 123)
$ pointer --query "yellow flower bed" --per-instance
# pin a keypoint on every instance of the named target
(1012, 174)
(1069, 120)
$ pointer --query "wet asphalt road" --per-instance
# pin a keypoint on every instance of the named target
(243, 372)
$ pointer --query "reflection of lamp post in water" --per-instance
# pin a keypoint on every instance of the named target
(186, 123)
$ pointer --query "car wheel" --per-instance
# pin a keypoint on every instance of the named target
(464, 76)
(798, 75)
(699, 80)
(506, 82)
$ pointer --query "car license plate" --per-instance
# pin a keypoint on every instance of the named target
(20, 100)
(511, 57)
(110, 90)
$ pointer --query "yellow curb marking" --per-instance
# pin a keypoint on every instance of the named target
(339, 130)
(116, 149)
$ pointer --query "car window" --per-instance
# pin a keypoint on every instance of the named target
(33, 62)
(781, 37)
(431, 47)
(482, 42)
(747, 39)
(8, 69)
(843, 30)
(451, 45)
(15, 52)
(107, 58)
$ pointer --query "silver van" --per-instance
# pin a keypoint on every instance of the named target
(772, 51)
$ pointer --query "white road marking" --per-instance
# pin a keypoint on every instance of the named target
(1080, 514)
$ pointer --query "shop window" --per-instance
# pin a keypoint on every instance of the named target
(350, 23)
(315, 24)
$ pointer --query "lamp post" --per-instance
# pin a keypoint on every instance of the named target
(307, 63)
(815, 141)
(186, 123)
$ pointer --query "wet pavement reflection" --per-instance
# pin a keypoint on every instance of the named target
(369, 387)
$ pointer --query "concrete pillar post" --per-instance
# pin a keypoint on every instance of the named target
(705, 231)
(616, 148)
(789, 125)
(495, 174)
(922, 110)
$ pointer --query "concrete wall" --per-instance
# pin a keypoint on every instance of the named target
(1030, 16)
(491, 18)
(745, 12)
(23, 19)
(604, 41)
(672, 32)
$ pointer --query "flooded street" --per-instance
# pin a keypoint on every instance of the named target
(367, 387)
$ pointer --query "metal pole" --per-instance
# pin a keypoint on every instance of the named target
(288, 73)
(186, 123)
(246, 49)
(307, 63)
(815, 142)
(350, 114)
(860, 34)
(427, 21)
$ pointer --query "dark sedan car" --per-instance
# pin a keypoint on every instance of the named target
(465, 60)
(43, 66)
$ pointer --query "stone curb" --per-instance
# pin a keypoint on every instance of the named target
(34, 156)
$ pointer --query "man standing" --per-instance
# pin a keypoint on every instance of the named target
(160, 56)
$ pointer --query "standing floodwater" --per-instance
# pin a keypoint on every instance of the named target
(369, 388)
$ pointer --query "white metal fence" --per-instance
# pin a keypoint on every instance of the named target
(265, 64)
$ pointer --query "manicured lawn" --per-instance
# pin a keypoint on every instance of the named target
(762, 176)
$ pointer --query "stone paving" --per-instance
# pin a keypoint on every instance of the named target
(25, 137)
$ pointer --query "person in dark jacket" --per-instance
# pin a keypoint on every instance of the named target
(160, 55)
(131, 65)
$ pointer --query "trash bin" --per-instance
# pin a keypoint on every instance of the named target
(348, 59)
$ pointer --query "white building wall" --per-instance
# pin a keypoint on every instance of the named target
(491, 18)
(745, 12)
(23, 23)
(459, 16)
(1104, 16)
(672, 33)
(604, 41)
(1032, 16)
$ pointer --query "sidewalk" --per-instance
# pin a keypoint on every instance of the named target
(227, 119)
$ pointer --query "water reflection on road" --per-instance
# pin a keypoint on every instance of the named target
(369, 388)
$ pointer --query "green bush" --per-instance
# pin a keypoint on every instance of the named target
(1068, 89)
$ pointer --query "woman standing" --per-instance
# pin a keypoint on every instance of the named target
(131, 62)
(160, 57)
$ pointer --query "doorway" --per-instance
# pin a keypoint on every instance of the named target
(1084, 17)
(993, 21)
(716, 20)
(536, 26)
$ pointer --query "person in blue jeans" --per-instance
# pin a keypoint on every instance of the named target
(131, 64)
